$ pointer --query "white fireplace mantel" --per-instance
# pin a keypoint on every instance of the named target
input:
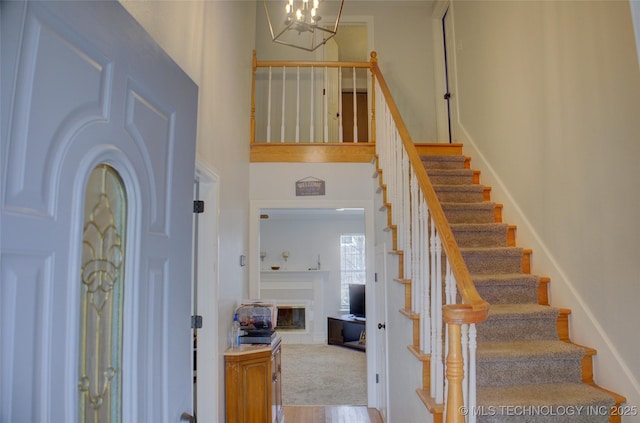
(289, 287)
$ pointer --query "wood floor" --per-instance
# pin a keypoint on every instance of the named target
(330, 414)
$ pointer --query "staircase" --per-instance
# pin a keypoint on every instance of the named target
(527, 370)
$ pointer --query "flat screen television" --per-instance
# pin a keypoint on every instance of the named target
(357, 300)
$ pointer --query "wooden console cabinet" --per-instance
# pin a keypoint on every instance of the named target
(253, 384)
(346, 331)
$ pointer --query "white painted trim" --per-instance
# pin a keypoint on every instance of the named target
(208, 400)
(369, 217)
(635, 16)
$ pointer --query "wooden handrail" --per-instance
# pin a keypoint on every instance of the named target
(293, 64)
(477, 308)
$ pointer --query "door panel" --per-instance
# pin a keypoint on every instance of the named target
(86, 85)
(362, 116)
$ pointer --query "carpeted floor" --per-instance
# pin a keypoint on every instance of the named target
(318, 374)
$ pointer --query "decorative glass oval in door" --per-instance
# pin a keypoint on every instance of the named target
(103, 252)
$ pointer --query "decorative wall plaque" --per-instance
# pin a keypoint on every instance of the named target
(309, 186)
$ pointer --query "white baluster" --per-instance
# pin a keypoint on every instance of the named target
(424, 253)
(464, 341)
(355, 109)
(298, 104)
(269, 109)
(406, 203)
(472, 372)
(438, 317)
(312, 134)
(415, 231)
(450, 288)
(284, 80)
(434, 310)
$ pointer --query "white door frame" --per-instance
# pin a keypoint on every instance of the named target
(208, 293)
(369, 220)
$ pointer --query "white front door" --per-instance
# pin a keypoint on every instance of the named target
(84, 85)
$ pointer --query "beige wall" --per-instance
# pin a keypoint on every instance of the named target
(549, 107)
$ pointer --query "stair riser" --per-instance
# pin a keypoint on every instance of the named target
(527, 329)
(528, 372)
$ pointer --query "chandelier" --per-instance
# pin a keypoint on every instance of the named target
(301, 22)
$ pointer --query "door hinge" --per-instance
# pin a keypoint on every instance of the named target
(377, 378)
(196, 322)
(375, 277)
(447, 96)
(198, 206)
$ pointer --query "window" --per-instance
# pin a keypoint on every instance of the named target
(352, 264)
(102, 273)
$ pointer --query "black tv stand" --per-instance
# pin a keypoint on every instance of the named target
(347, 331)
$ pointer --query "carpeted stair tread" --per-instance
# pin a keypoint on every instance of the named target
(496, 260)
(527, 362)
(510, 288)
(528, 350)
(472, 193)
(480, 212)
(450, 176)
(443, 162)
(554, 402)
(505, 279)
(518, 311)
(480, 234)
(519, 322)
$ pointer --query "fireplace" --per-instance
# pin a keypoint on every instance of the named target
(291, 317)
(299, 298)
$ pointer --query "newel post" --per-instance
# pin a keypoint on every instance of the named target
(456, 315)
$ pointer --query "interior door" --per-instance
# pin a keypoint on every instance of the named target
(449, 97)
(382, 365)
(362, 117)
(332, 94)
(84, 85)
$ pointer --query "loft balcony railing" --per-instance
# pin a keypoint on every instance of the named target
(312, 111)
(442, 294)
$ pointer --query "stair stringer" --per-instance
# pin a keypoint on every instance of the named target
(562, 323)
